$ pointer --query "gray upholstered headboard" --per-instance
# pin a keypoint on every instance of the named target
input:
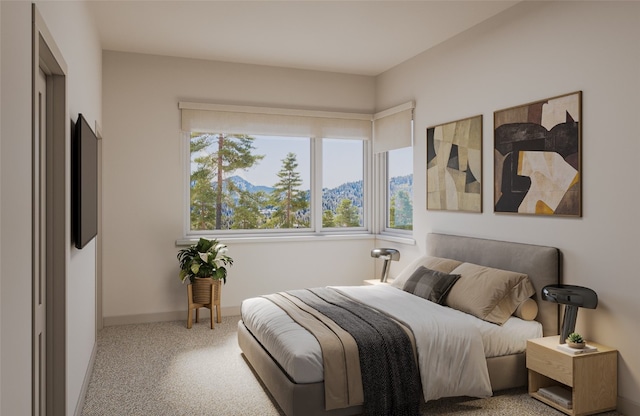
(540, 263)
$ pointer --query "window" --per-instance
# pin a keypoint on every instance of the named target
(399, 189)
(393, 139)
(342, 183)
(241, 182)
(249, 172)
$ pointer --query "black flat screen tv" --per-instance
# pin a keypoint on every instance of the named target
(84, 183)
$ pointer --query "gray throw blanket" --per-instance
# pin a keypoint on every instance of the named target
(390, 378)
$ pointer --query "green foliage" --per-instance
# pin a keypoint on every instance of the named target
(403, 210)
(575, 337)
(347, 215)
(246, 213)
(392, 212)
(328, 220)
(207, 258)
(287, 198)
(216, 156)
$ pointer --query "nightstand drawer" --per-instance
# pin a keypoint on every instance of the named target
(550, 363)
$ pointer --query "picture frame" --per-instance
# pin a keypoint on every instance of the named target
(537, 157)
(454, 165)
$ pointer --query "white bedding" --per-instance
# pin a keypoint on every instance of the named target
(451, 345)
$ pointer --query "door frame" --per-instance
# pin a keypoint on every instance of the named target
(48, 58)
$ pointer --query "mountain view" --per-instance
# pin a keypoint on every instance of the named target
(331, 198)
(282, 199)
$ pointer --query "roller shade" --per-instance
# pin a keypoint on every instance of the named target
(392, 128)
(216, 118)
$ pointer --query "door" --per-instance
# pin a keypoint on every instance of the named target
(39, 248)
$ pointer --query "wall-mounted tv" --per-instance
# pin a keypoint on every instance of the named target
(84, 183)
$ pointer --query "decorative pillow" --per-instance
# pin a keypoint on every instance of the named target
(487, 293)
(434, 263)
(527, 310)
(430, 284)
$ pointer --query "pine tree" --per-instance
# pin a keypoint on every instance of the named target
(246, 213)
(347, 214)
(328, 220)
(404, 210)
(222, 155)
(286, 196)
(392, 212)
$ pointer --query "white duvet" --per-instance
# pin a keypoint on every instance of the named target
(451, 345)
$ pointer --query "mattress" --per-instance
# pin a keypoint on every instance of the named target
(298, 352)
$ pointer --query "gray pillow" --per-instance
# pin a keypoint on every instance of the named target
(430, 284)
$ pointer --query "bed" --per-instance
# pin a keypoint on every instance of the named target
(299, 389)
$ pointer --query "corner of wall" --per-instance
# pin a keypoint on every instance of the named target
(628, 407)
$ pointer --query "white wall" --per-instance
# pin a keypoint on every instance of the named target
(534, 51)
(143, 189)
(80, 48)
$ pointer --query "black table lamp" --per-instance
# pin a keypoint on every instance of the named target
(387, 254)
(572, 297)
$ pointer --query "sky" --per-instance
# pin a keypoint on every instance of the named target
(275, 151)
(342, 160)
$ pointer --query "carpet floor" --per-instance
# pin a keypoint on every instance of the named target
(165, 369)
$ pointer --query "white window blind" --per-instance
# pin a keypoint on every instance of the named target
(217, 118)
(392, 128)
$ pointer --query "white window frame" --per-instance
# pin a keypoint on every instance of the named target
(315, 202)
(367, 199)
(386, 199)
(383, 142)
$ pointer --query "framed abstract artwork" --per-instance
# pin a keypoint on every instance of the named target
(454, 165)
(537, 161)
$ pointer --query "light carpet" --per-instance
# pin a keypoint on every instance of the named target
(166, 369)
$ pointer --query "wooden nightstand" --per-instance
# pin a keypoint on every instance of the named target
(592, 378)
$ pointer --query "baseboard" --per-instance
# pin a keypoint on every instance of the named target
(164, 316)
(628, 407)
(86, 381)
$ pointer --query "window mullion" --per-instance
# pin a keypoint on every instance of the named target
(316, 184)
(368, 190)
(380, 189)
(185, 153)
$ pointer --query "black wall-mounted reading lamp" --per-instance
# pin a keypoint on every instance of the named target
(572, 297)
(387, 254)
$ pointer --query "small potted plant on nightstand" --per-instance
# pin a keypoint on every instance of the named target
(575, 340)
(204, 264)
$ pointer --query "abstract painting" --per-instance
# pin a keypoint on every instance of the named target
(454, 166)
(537, 157)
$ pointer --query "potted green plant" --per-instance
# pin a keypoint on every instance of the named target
(575, 340)
(204, 264)
(207, 258)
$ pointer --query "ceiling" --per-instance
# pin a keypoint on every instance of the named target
(355, 37)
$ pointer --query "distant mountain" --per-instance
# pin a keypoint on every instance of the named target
(401, 182)
(331, 198)
(245, 185)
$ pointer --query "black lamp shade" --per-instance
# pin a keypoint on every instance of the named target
(573, 297)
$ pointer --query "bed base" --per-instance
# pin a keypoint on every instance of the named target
(293, 399)
(308, 399)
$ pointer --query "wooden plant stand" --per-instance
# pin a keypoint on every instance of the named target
(204, 293)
